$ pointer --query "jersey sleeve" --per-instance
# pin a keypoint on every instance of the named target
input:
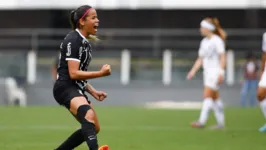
(200, 52)
(72, 50)
(220, 46)
(264, 42)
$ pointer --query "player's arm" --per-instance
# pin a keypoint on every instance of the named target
(263, 60)
(54, 68)
(90, 88)
(76, 74)
(222, 62)
(54, 72)
(197, 65)
(220, 47)
(73, 58)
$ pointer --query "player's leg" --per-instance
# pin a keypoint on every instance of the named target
(97, 127)
(218, 109)
(77, 138)
(253, 89)
(244, 93)
(206, 108)
(74, 140)
(261, 92)
(79, 107)
(61, 95)
(96, 120)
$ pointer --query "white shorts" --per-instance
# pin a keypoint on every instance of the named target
(262, 82)
(210, 78)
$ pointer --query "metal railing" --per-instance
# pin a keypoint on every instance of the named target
(142, 41)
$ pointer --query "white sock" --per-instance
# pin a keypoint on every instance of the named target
(205, 110)
(263, 107)
(218, 109)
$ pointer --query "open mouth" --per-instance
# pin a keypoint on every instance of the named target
(95, 26)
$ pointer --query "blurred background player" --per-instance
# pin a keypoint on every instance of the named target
(261, 93)
(71, 85)
(212, 58)
(250, 82)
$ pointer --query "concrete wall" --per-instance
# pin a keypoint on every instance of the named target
(133, 94)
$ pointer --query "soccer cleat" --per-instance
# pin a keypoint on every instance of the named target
(196, 125)
(104, 147)
(263, 128)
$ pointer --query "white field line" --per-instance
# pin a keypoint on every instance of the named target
(168, 104)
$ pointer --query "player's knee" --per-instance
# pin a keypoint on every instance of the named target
(84, 113)
(208, 93)
(91, 117)
(260, 94)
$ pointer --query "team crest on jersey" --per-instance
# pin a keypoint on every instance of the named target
(68, 49)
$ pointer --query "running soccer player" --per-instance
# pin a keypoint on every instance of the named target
(212, 58)
(71, 85)
(261, 93)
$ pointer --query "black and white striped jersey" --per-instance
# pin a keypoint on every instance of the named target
(77, 48)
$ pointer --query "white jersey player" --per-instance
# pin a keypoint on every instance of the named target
(212, 58)
(261, 93)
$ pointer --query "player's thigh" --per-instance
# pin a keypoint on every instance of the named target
(261, 93)
(208, 92)
(216, 95)
(211, 85)
(76, 102)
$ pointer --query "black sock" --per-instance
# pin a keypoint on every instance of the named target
(89, 134)
(73, 141)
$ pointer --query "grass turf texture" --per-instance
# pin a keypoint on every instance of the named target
(127, 128)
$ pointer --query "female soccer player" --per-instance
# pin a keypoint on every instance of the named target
(261, 92)
(71, 85)
(212, 58)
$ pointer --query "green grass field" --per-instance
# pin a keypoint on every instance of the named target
(127, 128)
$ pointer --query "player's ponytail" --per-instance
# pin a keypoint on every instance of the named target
(72, 20)
(93, 38)
(218, 29)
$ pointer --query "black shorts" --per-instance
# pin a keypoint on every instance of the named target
(64, 92)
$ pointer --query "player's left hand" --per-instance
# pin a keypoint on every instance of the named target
(99, 95)
(220, 79)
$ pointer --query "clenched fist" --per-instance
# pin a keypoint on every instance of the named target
(105, 70)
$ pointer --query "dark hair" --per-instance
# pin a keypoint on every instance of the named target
(77, 14)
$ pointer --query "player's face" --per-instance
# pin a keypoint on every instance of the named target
(92, 22)
(204, 31)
